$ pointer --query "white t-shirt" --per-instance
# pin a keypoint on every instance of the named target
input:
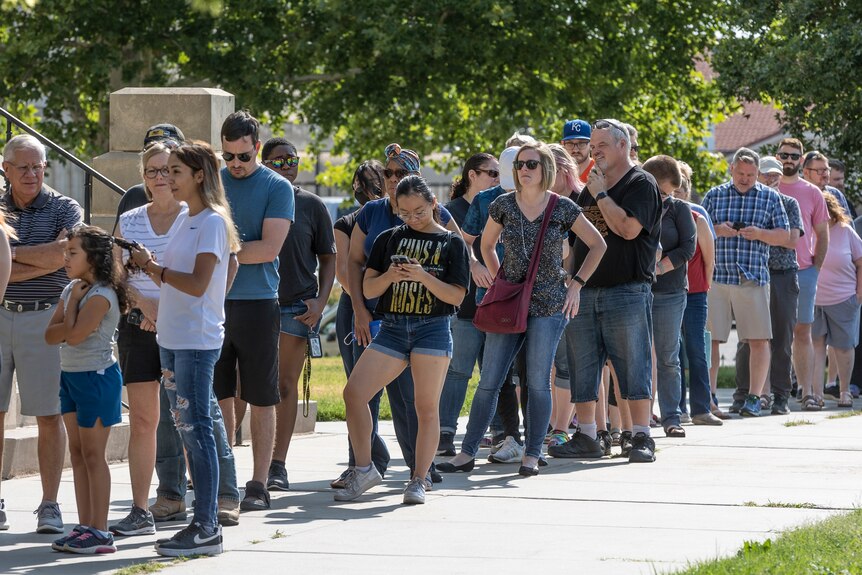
(135, 226)
(185, 321)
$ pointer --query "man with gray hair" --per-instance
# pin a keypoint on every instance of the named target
(40, 219)
(748, 218)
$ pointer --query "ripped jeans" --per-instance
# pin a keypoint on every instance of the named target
(188, 378)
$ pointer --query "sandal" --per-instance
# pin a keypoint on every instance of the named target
(720, 414)
(674, 431)
(845, 399)
(809, 403)
(820, 401)
(765, 401)
(615, 437)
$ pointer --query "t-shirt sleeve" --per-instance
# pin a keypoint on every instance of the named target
(497, 210)
(104, 291)
(64, 295)
(794, 217)
(458, 266)
(445, 215)
(72, 215)
(213, 237)
(363, 218)
(472, 224)
(641, 201)
(821, 212)
(343, 226)
(779, 215)
(855, 244)
(281, 200)
(324, 236)
(570, 212)
(378, 259)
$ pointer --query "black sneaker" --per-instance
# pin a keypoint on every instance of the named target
(736, 405)
(256, 497)
(192, 540)
(779, 406)
(434, 474)
(578, 447)
(625, 443)
(643, 449)
(605, 441)
(277, 480)
(446, 445)
(832, 390)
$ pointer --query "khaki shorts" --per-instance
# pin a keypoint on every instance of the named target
(23, 351)
(748, 304)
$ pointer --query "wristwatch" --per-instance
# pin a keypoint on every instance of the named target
(601, 195)
(579, 279)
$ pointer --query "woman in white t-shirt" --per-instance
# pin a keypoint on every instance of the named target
(151, 225)
(194, 275)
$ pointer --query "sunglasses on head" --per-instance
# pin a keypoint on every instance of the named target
(531, 164)
(279, 163)
(243, 157)
(605, 124)
(788, 156)
(400, 174)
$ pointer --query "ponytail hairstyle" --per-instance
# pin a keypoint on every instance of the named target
(417, 186)
(99, 246)
(200, 157)
(462, 185)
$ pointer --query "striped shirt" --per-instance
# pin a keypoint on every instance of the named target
(41, 223)
(738, 259)
(135, 226)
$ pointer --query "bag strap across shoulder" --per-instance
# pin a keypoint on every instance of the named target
(540, 239)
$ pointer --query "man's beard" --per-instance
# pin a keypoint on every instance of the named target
(789, 171)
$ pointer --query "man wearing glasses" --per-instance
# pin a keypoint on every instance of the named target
(262, 203)
(615, 319)
(810, 252)
(576, 141)
(40, 219)
(816, 169)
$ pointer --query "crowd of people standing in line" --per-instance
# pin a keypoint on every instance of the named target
(214, 282)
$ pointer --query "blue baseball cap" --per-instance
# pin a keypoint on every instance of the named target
(576, 130)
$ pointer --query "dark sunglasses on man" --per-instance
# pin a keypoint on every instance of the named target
(788, 156)
(243, 157)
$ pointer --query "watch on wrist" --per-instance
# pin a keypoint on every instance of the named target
(579, 279)
(601, 195)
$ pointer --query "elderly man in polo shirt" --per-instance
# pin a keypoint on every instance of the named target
(748, 217)
(40, 219)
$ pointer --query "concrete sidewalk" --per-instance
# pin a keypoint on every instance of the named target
(704, 497)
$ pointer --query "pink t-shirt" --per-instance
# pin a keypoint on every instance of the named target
(813, 209)
(837, 279)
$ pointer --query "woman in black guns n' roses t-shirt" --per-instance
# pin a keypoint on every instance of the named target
(420, 272)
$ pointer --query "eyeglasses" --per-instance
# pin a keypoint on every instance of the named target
(417, 215)
(818, 171)
(531, 164)
(35, 168)
(579, 144)
(493, 174)
(279, 163)
(153, 173)
(243, 157)
(400, 174)
(788, 156)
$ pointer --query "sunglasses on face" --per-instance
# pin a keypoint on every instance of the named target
(243, 157)
(400, 174)
(635, 148)
(493, 174)
(531, 164)
(788, 156)
(279, 163)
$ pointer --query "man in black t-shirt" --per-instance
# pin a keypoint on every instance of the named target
(614, 321)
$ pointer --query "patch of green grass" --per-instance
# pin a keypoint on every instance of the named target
(797, 422)
(255, 541)
(844, 414)
(726, 377)
(828, 547)
(278, 534)
(151, 566)
(780, 505)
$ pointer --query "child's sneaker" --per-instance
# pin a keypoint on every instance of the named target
(90, 542)
(60, 544)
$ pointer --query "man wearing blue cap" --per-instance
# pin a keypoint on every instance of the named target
(576, 141)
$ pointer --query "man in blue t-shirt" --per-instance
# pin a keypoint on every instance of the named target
(262, 204)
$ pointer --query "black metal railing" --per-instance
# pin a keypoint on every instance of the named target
(89, 171)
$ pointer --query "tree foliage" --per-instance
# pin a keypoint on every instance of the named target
(446, 77)
(803, 56)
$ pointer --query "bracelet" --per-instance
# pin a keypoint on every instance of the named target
(147, 265)
(162, 275)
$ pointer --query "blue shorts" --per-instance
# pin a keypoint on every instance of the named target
(290, 325)
(807, 290)
(401, 335)
(92, 395)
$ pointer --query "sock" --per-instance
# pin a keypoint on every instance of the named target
(588, 429)
(640, 429)
(833, 383)
(365, 469)
(100, 533)
(277, 462)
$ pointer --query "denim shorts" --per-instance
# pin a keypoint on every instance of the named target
(807, 291)
(401, 335)
(290, 325)
(92, 395)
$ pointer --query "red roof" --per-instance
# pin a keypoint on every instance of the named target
(754, 124)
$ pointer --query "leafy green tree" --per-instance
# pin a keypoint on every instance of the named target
(801, 55)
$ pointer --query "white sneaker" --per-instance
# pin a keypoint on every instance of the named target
(4, 525)
(358, 483)
(414, 493)
(509, 452)
(50, 519)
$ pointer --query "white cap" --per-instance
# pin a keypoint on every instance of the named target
(507, 178)
(769, 164)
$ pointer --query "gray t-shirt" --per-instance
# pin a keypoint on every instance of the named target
(97, 351)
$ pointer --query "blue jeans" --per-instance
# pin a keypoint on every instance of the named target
(540, 339)
(190, 391)
(343, 327)
(467, 350)
(613, 323)
(667, 312)
(693, 330)
(171, 462)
